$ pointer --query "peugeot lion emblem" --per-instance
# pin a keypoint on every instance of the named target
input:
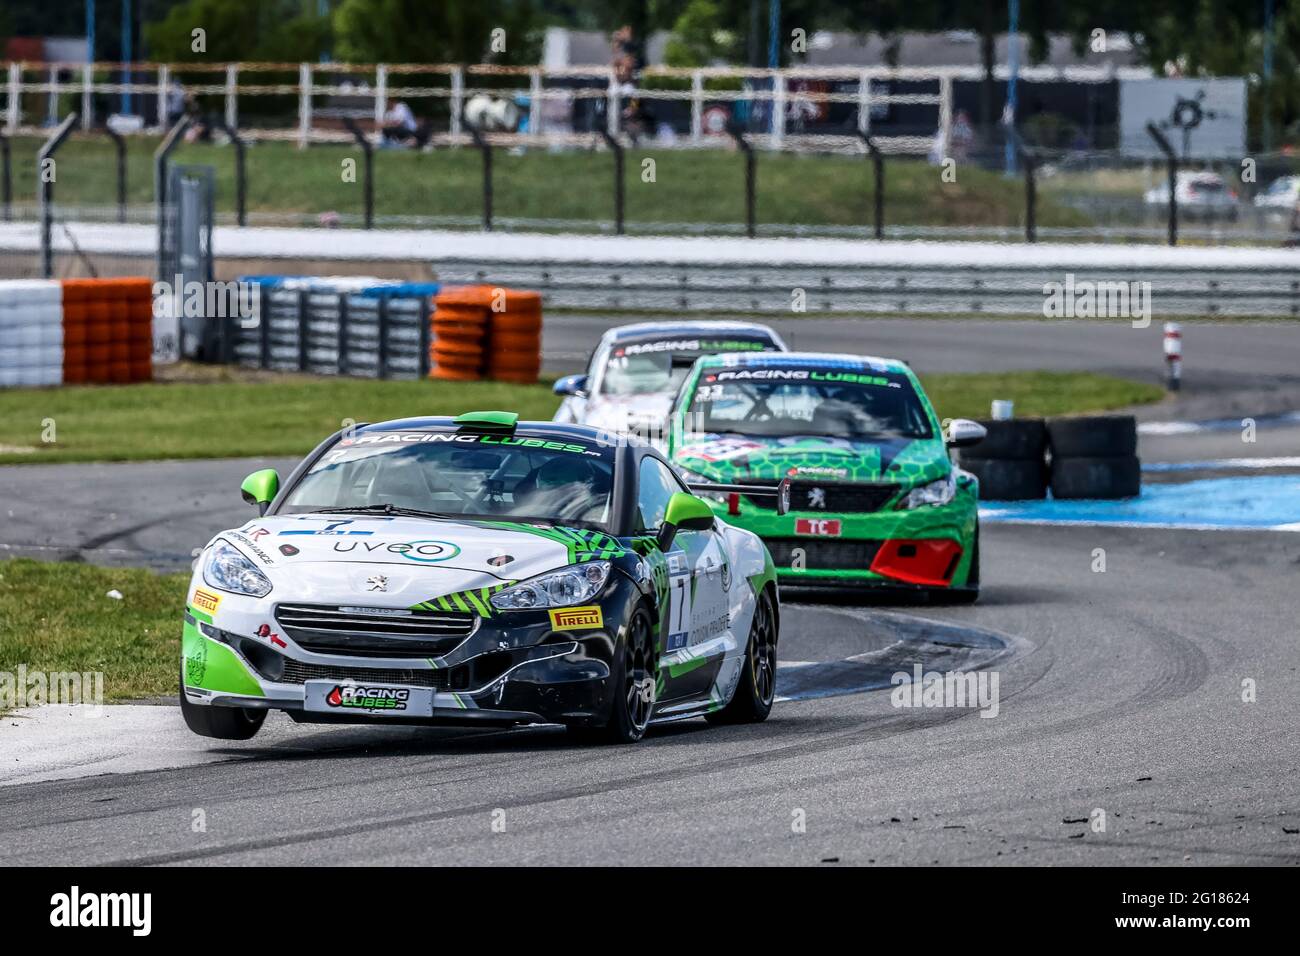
(377, 582)
(816, 498)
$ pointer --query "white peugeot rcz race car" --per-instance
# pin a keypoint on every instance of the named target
(635, 370)
(480, 570)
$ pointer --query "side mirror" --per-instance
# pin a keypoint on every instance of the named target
(685, 513)
(962, 433)
(260, 488)
(575, 385)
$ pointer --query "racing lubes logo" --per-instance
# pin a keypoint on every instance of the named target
(75, 909)
(352, 697)
(1073, 299)
(923, 688)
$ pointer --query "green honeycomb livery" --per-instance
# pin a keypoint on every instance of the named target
(868, 506)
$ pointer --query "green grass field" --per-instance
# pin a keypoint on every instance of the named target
(236, 413)
(690, 186)
(57, 617)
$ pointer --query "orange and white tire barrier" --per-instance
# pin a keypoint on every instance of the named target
(74, 331)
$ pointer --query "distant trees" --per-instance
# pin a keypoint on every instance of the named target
(266, 30)
(1192, 37)
(443, 31)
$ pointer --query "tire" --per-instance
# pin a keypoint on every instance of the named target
(629, 710)
(448, 374)
(752, 701)
(464, 296)
(453, 348)
(1114, 477)
(1093, 436)
(458, 316)
(515, 363)
(223, 723)
(1011, 479)
(517, 343)
(1010, 438)
(516, 323)
(460, 333)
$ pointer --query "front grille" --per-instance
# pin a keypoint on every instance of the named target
(331, 629)
(835, 496)
(296, 672)
(819, 554)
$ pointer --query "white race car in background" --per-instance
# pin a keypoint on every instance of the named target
(635, 370)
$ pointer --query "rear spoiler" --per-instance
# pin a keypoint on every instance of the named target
(781, 492)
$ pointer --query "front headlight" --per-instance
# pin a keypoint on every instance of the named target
(938, 492)
(571, 585)
(227, 569)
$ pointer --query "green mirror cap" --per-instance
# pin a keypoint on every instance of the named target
(261, 487)
(684, 509)
(487, 421)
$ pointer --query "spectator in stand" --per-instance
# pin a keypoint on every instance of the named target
(628, 61)
(963, 136)
(400, 125)
(176, 102)
(625, 44)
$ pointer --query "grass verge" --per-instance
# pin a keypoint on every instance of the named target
(57, 617)
(968, 395)
(686, 186)
(236, 413)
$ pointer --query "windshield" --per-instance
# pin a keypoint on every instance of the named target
(807, 402)
(645, 368)
(645, 374)
(465, 475)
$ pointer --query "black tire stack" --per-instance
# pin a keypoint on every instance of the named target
(1094, 457)
(1009, 463)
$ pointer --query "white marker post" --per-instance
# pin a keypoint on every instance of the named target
(1173, 356)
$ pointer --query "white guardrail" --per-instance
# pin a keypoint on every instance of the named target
(662, 274)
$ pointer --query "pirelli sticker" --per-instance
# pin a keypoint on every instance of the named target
(577, 618)
(206, 601)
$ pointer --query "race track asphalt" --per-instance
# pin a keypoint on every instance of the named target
(1237, 356)
(1125, 697)
(1121, 693)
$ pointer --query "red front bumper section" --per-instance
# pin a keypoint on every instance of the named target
(930, 562)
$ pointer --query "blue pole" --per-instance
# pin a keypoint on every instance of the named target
(773, 34)
(1013, 67)
(90, 31)
(126, 55)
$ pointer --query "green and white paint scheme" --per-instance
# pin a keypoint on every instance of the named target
(870, 477)
(699, 583)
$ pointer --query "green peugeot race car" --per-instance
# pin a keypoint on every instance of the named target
(875, 500)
